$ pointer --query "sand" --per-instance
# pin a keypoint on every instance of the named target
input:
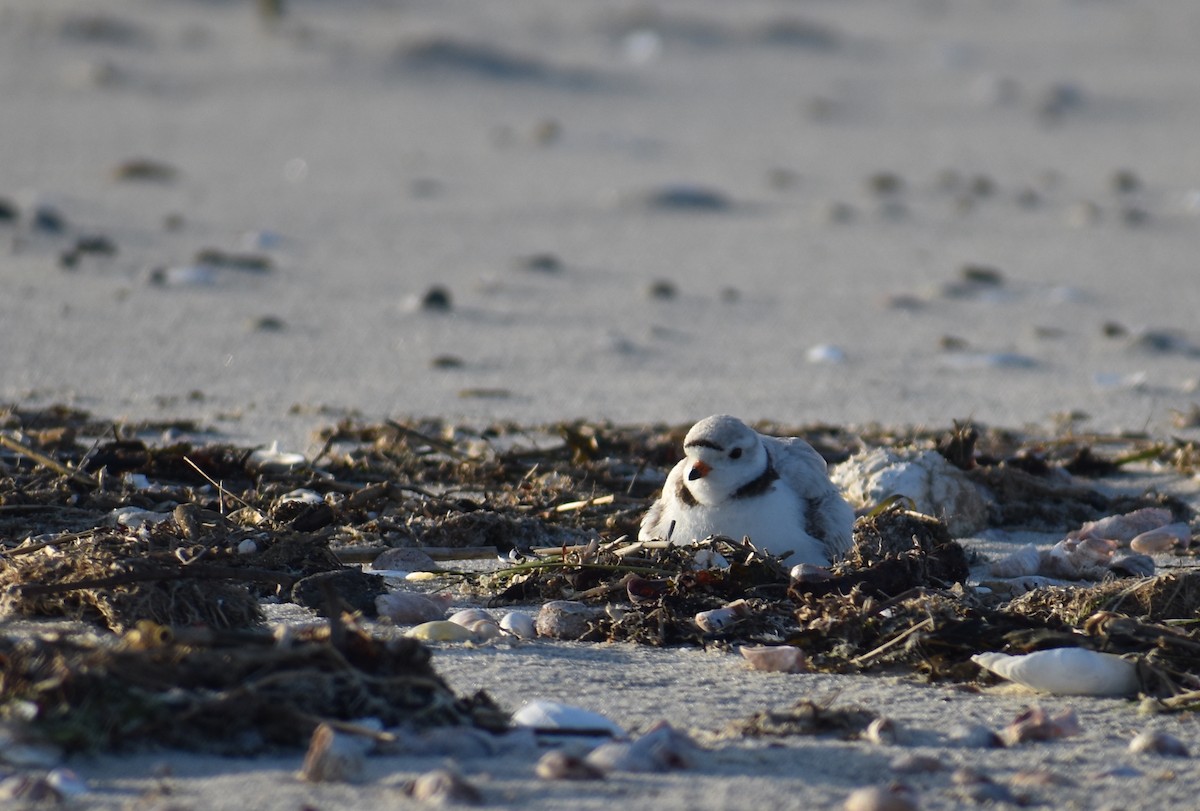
(850, 166)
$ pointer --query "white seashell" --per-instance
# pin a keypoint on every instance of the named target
(542, 714)
(564, 619)
(559, 765)
(882, 731)
(935, 486)
(717, 619)
(878, 798)
(1158, 743)
(485, 629)
(443, 787)
(408, 608)
(775, 658)
(441, 631)
(709, 559)
(519, 624)
(663, 748)
(301, 496)
(1162, 539)
(135, 517)
(469, 616)
(1024, 561)
(1065, 671)
(66, 782)
(334, 758)
(1124, 528)
(247, 547)
(810, 573)
(274, 460)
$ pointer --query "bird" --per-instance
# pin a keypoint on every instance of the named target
(734, 481)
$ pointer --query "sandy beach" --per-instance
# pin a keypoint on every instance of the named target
(876, 212)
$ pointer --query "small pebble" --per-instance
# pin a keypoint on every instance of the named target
(436, 299)
(48, 220)
(1158, 743)
(689, 198)
(662, 290)
(563, 619)
(546, 263)
(443, 787)
(266, 323)
(885, 183)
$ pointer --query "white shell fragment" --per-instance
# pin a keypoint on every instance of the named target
(1162, 539)
(718, 619)
(518, 624)
(775, 658)
(1158, 743)
(542, 714)
(563, 619)
(409, 608)
(273, 460)
(935, 486)
(1025, 561)
(663, 748)
(247, 547)
(881, 798)
(1065, 671)
(334, 758)
(135, 517)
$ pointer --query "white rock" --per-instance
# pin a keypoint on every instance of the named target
(1065, 671)
(934, 485)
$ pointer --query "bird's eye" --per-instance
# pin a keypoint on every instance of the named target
(736, 453)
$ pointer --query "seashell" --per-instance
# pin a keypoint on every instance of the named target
(443, 787)
(441, 631)
(558, 765)
(1162, 539)
(897, 797)
(1035, 724)
(1158, 743)
(719, 618)
(333, 757)
(974, 736)
(882, 731)
(484, 629)
(563, 619)
(273, 460)
(135, 517)
(1024, 561)
(518, 624)
(66, 782)
(409, 608)
(301, 496)
(542, 714)
(909, 763)
(775, 658)
(709, 559)
(935, 486)
(247, 547)
(469, 616)
(1065, 671)
(663, 748)
(1124, 528)
(810, 573)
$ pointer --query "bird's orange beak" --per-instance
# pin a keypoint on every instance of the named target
(699, 470)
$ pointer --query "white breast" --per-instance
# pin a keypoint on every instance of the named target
(774, 521)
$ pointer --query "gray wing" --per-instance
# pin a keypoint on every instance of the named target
(657, 521)
(828, 517)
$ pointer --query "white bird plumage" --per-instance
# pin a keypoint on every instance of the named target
(736, 482)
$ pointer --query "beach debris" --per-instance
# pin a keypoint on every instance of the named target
(805, 717)
(774, 658)
(662, 289)
(661, 748)
(895, 797)
(1065, 671)
(933, 485)
(882, 731)
(1163, 539)
(272, 460)
(144, 170)
(1037, 724)
(519, 624)
(559, 765)
(718, 619)
(552, 716)
(436, 299)
(1079, 559)
(974, 736)
(443, 631)
(686, 197)
(443, 787)
(564, 619)
(1025, 561)
(409, 608)
(825, 353)
(1158, 743)
(913, 763)
(1124, 528)
(469, 616)
(334, 757)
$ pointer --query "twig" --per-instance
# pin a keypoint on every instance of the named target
(924, 624)
(47, 461)
(220, 488)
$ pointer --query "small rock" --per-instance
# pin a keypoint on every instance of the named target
(436, 299)
(688, 198)
(563, 619)
(1158, 743)
(897, 797)
(144, 170)
(443, 787)
(662, 290)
